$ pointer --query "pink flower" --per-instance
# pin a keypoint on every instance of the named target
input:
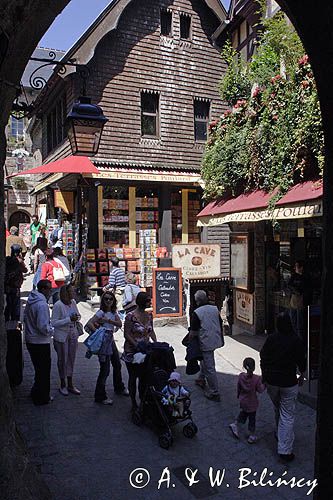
(213, 124)
(305, 84)
(276, 78)
(304, 60)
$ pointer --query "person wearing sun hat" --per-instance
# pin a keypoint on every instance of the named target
(173, 390)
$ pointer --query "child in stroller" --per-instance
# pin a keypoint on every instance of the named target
(175, 396)
(152, 411)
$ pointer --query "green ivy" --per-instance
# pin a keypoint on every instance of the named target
(272, 135)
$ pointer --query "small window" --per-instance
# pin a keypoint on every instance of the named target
(149, 114)
(201, 119)
(185, 26)
(17, 127)
(166, 22)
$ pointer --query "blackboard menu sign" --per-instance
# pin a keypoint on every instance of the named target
(167, 292)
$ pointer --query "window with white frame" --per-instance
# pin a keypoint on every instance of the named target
(150, 114)
(166, 22)
(185, 23)
(17, 128)
(201, 119)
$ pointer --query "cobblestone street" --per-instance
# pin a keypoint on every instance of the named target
(86, 451)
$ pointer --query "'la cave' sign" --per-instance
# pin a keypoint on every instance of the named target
(197, 261)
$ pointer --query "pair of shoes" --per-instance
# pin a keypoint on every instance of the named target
(287, 458)
(200, 382)
(63, 391)
(74, 390)
(124, 392)
(213, 397)
(107, 402)
(234, 429)
(252, 439)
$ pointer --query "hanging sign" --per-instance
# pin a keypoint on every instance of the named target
(64, 200)
(244, 307)
(19, 197)
(197, 260)
(167, 292)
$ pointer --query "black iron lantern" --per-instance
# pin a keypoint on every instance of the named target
(85, 125)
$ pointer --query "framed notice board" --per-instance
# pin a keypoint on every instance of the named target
(167, 292)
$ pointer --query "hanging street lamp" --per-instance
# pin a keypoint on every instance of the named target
(85, 125)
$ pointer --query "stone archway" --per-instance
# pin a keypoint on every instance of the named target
(22, 25)
(19, 217)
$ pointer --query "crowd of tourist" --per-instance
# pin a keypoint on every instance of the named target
(124, 306)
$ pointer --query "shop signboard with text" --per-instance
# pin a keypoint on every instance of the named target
(167, 292)
(197, 260)
(244, 307)
(19, 197)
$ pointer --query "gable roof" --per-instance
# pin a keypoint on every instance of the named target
(84, 48)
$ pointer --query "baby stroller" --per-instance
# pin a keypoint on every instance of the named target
(159, 364)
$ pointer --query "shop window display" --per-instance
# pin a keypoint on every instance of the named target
(115, 216)
(146, 212)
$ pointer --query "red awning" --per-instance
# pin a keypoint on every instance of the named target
(260, 199)
(69, 165)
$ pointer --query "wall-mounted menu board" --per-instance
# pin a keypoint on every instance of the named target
(167, 292)
(241, 260)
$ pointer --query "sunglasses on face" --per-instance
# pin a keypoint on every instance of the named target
(108, 298)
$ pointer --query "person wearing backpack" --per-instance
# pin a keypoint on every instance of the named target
(53, 271)
(15, 268)
(130, 293)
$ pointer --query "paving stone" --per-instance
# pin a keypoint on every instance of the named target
(87, 451)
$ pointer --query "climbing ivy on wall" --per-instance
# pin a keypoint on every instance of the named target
(271, 137)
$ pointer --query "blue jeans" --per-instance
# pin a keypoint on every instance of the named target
(104, 372)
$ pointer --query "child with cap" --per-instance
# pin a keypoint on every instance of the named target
(173, 390)
(248, 386)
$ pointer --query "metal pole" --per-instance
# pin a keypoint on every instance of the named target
(308, 348)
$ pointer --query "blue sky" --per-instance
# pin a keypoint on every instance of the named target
(73, 22)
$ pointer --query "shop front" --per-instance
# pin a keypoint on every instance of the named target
(265, 244)
(136, 215)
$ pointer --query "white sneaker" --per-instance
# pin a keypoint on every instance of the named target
(234, 429)
(107, 402)
(252, 439)
(63, 391)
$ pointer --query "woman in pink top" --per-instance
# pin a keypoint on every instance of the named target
(47, 273)
(247, 388)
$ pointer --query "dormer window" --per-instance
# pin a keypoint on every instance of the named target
(166, 22)
(185, 26)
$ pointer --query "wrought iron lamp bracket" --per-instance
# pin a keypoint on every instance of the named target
(21, 109)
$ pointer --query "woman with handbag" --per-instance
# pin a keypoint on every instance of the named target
(53, 272)
(65, 321)
(108, 318)
(130, 293)
(138, 331)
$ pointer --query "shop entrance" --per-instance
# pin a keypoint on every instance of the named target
(18, 218)
(282, 251)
